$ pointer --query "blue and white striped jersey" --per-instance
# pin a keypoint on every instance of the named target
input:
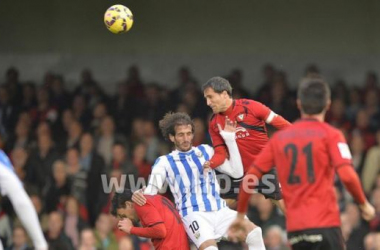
(193, 191)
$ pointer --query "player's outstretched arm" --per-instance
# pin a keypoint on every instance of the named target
(233, 166)
(12, 187)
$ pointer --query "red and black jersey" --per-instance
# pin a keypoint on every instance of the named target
(306, 156)
(157, 210)
(251, 135)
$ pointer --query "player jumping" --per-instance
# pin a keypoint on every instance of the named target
(251, 135)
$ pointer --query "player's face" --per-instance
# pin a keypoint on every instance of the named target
(127, 212)
(218, 102)
(183, 137)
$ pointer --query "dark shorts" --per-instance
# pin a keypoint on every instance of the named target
(269, 187)
(317, 239)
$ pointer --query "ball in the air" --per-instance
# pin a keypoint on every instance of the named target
(118, 19)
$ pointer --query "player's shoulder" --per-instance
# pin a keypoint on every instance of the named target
(161, 161)
(4, 160)
(246, 102)
(204, 149)
(331, 131)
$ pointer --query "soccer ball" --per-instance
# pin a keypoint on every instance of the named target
(118, 19)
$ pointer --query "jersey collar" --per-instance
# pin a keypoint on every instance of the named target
(230, 109)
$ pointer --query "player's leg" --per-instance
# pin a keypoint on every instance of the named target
(199, 227)
(333, 238)
(253, 238)
(280, 204)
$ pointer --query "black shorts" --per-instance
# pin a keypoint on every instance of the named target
(268, 186)
(317, 239)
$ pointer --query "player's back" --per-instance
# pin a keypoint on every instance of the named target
(176, 237)
(306, 156)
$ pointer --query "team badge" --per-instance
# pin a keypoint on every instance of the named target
(199, 154)
(240, 117)
(197, 235)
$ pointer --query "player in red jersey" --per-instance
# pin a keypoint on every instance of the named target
(159, 218)
(251, 135)
(306, 156)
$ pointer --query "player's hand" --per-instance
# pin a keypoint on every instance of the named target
(228, 133)
(125, 225)
(138, 197)
(229, 125)
(237, 231)
(206, 167)
(368, 211)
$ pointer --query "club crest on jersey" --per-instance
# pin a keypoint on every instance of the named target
(240, 117)
(199, 154)
(197, 235)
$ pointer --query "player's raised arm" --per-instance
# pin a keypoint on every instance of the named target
(220, 148)
(12, 187)
(232, 166)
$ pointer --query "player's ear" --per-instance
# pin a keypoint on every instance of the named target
(171, 137)
(298, 101)
(128, 204)
(328, 104)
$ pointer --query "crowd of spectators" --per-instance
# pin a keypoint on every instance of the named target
(62, 141)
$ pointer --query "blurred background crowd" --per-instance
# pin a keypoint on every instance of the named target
(62, 140)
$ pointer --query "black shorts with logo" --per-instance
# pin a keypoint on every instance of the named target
(268, 186)
(317, 239)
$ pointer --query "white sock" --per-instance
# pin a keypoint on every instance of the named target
(255, 240)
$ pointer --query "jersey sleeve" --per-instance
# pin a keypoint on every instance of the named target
(340, 154)
(157, 177)
(259, 110)
(220, 154)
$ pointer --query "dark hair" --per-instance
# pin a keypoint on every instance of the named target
(119, 199)
(314, 93)
(218, 84)
(171, 120)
